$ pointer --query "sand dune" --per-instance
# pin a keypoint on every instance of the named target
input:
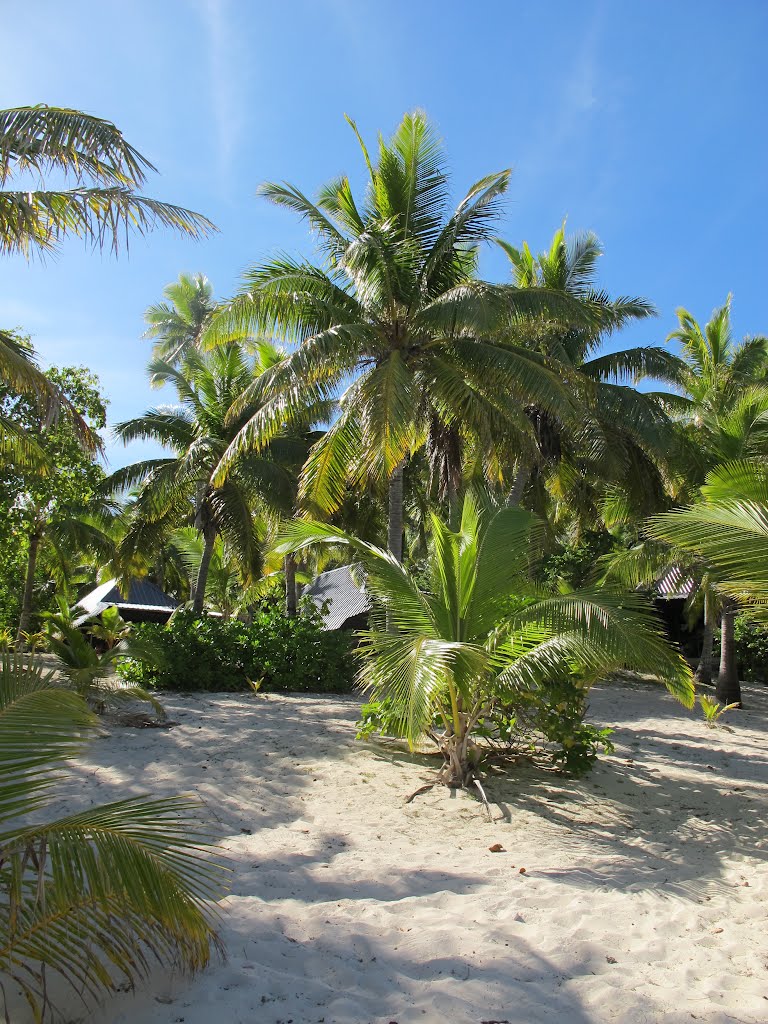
(643, 897)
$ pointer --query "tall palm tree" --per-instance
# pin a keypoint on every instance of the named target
(622, 434)
(483, 631)
(721, 406)
(176, 326)
(103, 205)
(394, 316)
(181, 489)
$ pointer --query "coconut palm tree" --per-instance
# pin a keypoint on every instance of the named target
(103, 206)
(622, 435)
(181, 489)
(393, 316)
(483, 631)
(721, 406)
(176, 326)
(100, 896)
(723, 388)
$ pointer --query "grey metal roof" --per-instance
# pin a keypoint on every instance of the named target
(143, 595)
(339, 588)
(674, 584)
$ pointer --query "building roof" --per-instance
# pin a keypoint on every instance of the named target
(143, 595)
(347, 600)
(674, 584)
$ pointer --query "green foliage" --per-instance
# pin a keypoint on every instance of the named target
(273, 651)
(751, 639)
(90, 672)
(99, 897)
(574, 564)
(549, 719)
(557, 711)
(50, 506)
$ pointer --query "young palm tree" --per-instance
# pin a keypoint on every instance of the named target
(97, 897)
(176, 326)
(728, 529)
(182, 488)
(483, 631)
(102, 207)
(394, 316)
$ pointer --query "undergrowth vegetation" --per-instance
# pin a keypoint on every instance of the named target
(271, 651)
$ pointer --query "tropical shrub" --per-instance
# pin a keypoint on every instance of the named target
(751, 641)
(97, 897)
(273, 651)
(91, 673)
(548, 721)
(484, 632)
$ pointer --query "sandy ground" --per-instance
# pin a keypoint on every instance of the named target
(643, 897)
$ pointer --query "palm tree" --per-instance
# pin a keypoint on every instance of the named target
(212, 389)
(394, 317)
(723, 389)
(483, 632)
(622, 434)
(728, 529)
(98, 896)
(721, 406)
(176, 326)
(102, 207)
(227, 592)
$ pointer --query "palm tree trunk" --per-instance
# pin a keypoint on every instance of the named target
(704, 669)
(289, 571)
(25, 619)
(454, 516)
(202, 574)
(395, 529)
(518, 486)
(728, 689)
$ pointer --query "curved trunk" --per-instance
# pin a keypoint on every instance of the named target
(518, 486)
(25, 619)
(728, 689)
(395, 527)
(289, 571)
(704, 669)
(202, 574)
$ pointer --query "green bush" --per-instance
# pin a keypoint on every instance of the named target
(278, 653)
(751, 650)
(549, 720)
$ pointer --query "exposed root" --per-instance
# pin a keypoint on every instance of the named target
(419, 791)
(484, 799)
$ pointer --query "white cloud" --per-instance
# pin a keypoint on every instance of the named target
(226, 88)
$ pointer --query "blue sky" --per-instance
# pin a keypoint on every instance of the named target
(643, 121)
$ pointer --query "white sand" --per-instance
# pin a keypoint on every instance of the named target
(643, 898)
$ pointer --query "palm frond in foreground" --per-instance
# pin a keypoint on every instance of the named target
(98, 896)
